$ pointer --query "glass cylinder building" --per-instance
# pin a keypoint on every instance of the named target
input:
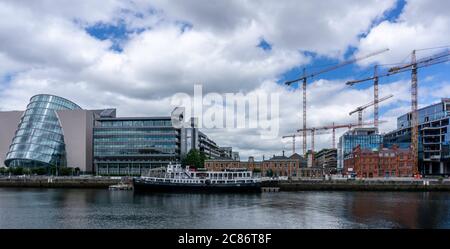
(39, 139)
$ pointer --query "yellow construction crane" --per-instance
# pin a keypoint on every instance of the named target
(305, 76)
(360, 109)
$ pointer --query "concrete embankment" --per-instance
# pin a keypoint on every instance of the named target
(361, 185)
(58, 182)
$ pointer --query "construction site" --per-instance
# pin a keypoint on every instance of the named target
(418, 147)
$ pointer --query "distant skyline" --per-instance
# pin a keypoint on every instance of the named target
(134, 55)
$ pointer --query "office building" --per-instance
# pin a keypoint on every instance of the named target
(326, 158)
(434, 137)
(54, 131)
(366, 138)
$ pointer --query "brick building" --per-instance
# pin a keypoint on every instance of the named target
(275, 166)
(379, 163)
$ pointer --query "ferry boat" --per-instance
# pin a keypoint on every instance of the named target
(177, 178)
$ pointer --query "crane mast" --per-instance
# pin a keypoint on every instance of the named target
(360, 109)
(414, 119)
(413, 66)
(306, 76)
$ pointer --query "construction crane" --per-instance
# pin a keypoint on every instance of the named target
(360, 109)
(413, 67)
(293, 141)
(311, 132)
(305, 76)
(325, 130)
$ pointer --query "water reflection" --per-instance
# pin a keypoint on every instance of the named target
(73, 208)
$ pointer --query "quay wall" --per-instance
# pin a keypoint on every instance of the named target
(357, 185)
(57, 182)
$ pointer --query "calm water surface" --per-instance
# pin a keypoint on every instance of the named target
(75, 208)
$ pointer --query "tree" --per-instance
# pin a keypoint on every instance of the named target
(194, 159)
(269, 173)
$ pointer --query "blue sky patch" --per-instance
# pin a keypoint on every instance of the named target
(117, 33)
(264, 45)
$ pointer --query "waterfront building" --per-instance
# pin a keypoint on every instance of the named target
(434, 137)
(222, 163)
(209, 147)
(366, 138)
(226, 152)
(383, 162)
(235, 155)
(54, 131)
(327, 159)
(275, 166)
(132, 145)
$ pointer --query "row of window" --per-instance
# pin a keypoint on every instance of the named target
(116, 132)
(100, 153)
(40, 125)
(38, 140)
(135, 139)
(131, 146)
(56, 100)
(136, 123)
(52, 159)
(41, 149)
(42, 134)
(47, 105)
(39, 118)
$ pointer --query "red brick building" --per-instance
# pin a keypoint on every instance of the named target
(380, 163)
(275, 166)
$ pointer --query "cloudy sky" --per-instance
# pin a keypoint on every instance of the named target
(134, 55)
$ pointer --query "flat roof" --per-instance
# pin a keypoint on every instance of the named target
(133, 118)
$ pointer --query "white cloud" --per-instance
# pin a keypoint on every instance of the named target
(422, 24)
(46, 50)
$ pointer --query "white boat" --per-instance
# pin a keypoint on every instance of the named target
(177, 178)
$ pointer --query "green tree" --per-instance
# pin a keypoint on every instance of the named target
(39, 171)
(16, 170)
(194, 159)
(269, 173)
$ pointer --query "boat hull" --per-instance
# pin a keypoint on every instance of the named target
(146, 186)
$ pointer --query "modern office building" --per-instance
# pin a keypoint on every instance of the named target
(209, 147)
(54, 131)
(326, 158)
(366, 138)
(434, 137)
(130, 146)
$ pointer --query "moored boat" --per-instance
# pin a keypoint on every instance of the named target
(179, 179)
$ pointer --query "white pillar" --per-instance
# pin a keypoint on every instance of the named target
(441, 168)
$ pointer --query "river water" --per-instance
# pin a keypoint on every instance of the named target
(80, 208)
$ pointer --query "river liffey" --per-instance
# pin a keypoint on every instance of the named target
(81, 208)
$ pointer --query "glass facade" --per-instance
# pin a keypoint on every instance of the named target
(434, 136)
(131, 146)
(366, 138)
(39, 139)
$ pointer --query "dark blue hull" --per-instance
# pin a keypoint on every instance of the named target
(146, 186)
